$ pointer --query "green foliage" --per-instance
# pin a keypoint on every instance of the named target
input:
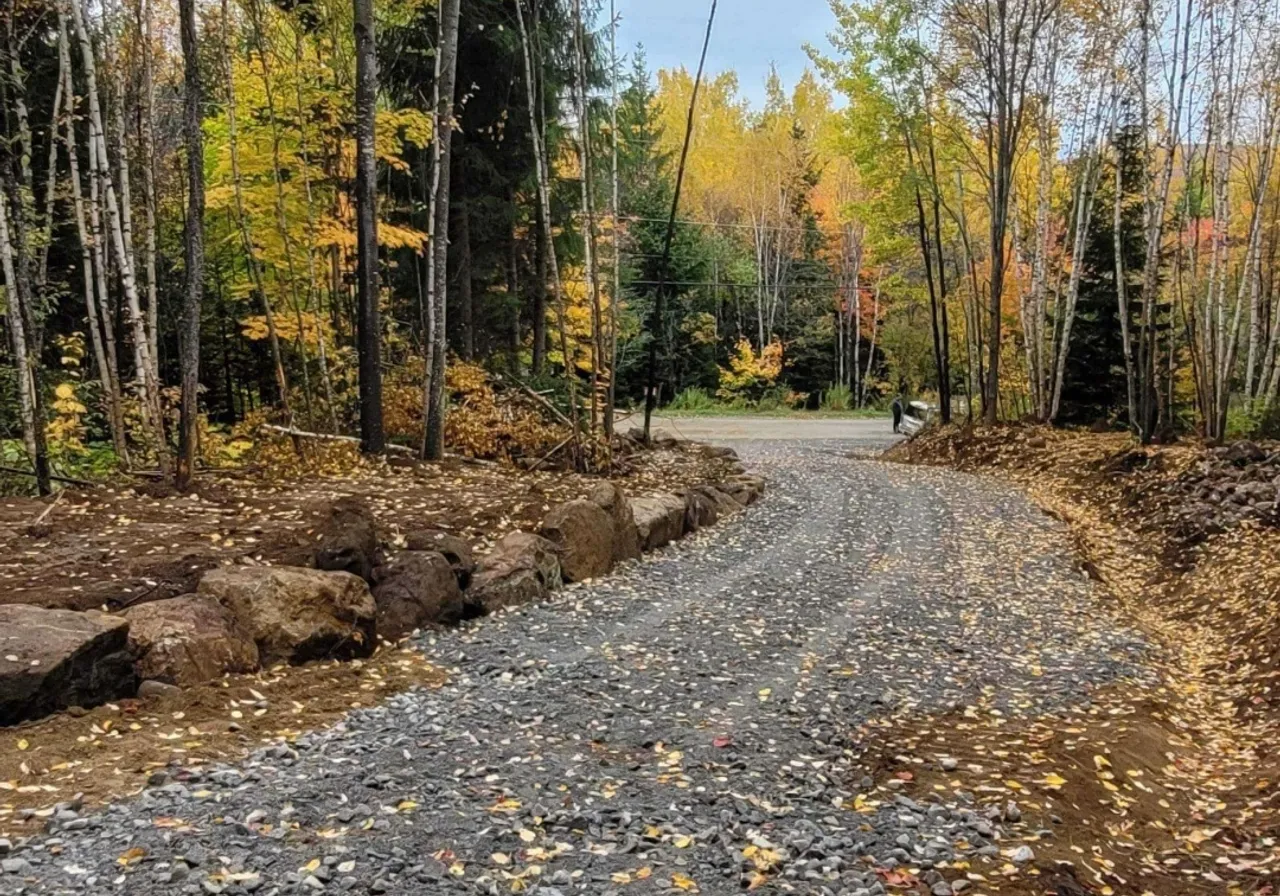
(1253, 423)
(693, 398)
(838, 397)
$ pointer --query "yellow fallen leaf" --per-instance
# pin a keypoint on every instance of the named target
(1054, 781)
(23, 744)
(131, 855)
(681, 882)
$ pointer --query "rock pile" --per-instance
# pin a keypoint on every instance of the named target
(359, 590)
(1233, 484)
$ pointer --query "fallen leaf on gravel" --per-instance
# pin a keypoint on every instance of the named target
(682, 882)
(129, 856)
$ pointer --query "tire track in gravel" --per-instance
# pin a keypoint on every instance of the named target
(692, 719)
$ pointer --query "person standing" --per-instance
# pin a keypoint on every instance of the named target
(897, 413)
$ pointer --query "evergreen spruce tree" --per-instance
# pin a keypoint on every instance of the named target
(1094, 390)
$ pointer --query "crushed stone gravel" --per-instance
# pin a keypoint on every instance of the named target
(687, 724)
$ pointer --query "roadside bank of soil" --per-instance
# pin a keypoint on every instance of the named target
(1167, 789)
(113, 547)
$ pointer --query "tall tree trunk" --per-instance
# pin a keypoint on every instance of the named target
(447, 70)
(91, 264)
(146, 129)
(368, 319)
(616, 297)
(189, 343)
(598, 370)
(538, 307)
(28, 395)
(314, 302)
(150, 388)
(544, 203)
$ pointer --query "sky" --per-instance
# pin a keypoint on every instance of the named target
(747, 36)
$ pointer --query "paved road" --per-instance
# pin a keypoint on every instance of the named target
(685, 724)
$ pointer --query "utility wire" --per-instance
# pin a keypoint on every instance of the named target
(651, 395)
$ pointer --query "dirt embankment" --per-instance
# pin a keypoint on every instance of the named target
(1166, 786)
(115, 546)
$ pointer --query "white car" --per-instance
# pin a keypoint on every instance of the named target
(916, 417)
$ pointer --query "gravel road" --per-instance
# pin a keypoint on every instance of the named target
(686, 725)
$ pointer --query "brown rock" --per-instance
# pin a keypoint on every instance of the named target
(455, 549)
(742, 492)
(660, 520)
(626, 537)
(699, 511)
(188, 640)
(416, 589)
(584, 536)
(521, 569)
(52, 659)
(348, 539)
(725, 505)
(296, 614)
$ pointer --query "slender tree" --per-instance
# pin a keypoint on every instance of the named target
(442, 143)
(368, 317)
(193, 136)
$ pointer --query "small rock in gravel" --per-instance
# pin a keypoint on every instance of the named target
(1022, 855)
(14, 866)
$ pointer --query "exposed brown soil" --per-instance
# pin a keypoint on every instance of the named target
(114, 546)
(111, 751)
(1166, 789)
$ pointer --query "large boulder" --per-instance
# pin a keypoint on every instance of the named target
(456, 550)
(699, 510)
(724, 504)
(584, 535)
(626, 536)
(416, 589)
(660, 520)
(744, 490)
(294, 614)
(188, 640)
(348, 540)
(521, 569)
(52, 659)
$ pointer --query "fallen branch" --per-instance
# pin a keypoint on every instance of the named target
(328, 437)
(546, 457)
(547, 404)
(48, 510)
(18, 471)
(392, 449)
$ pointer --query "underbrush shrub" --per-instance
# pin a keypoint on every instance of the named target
(693, 399)
(837, 398)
